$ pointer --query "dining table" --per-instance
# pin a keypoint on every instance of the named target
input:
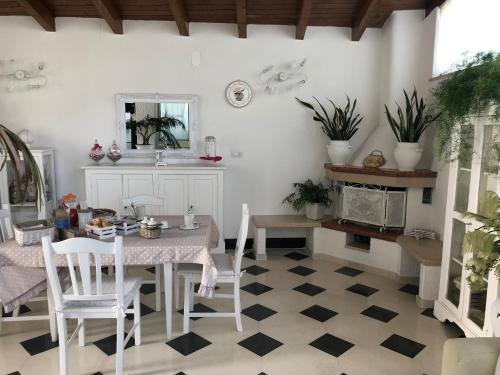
(175, 245)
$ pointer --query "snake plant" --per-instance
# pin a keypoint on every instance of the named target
(25, 167)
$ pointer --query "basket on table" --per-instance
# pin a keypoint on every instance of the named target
(31, 232)
(150, 232)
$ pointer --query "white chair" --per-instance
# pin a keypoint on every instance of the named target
(25, 285)
(148, 201)
(229, 271)
(105, 298)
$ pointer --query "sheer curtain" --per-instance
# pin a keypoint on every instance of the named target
(465, 27)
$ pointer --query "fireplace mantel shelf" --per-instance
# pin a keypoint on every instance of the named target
(381, 176)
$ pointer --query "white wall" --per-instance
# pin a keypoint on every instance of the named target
(87, 65)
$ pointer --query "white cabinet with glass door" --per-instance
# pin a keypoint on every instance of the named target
(29, 210)
(475, 172)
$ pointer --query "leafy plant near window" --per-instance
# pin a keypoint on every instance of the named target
(152, 125)
(413, 121)
(472, 90)
(25, 168)
(342, 124)
(308, 192)
(484, 242)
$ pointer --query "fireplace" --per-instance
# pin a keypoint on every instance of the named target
(382, 206)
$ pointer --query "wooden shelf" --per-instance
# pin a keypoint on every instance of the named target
(386, 235)
(381, 176)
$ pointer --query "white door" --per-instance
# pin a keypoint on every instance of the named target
(106, 191)
(140, 184)
(203, 195)
(174, 191)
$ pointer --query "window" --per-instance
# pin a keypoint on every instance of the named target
(465, 27)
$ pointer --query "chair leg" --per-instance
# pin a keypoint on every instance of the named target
(167, 279)
(16, 311)
(120, 339)
(52, 316)
(177, 287)
(158, 287)
(237, 304)
(187, 298)
(1, 312)
(137, 318)
(191, 297)
(63, 344)
(81, 333)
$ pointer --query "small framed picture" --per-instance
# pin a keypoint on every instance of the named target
(238, 94)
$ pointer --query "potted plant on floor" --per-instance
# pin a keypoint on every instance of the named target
(314, 197)
(408, 127)
(339, 127)
(151, 126)
(26, 172)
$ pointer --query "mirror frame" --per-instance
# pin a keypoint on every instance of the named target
(194, 140)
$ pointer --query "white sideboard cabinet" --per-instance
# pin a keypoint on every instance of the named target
(180, 186)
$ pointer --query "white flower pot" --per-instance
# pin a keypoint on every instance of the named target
(339, 152)
(314, 211)
(144, 147)
(407, 155)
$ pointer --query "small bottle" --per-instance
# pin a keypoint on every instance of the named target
(73, 217)
(61, 217)
(210, 146)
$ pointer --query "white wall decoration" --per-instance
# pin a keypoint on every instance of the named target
(283, 77)
(19, 76)
(238, 94)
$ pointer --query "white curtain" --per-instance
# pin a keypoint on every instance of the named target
(465, 27)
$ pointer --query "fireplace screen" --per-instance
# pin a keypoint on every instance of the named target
(374, 205)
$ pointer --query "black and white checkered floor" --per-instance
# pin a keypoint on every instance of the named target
(300, 316)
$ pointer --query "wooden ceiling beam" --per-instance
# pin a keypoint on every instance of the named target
(109, 12)
(179, 13)
(39, 11)
(431, 5)
(361, 20)
(241, 17)
(305, 13)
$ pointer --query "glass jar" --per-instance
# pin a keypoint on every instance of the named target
(210, 146)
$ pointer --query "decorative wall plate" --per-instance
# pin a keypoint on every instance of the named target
(238, 94)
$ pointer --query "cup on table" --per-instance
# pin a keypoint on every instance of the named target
(189, 220)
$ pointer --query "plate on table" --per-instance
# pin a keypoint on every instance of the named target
(195, 226)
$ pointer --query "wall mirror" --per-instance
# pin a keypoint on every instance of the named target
(149, 122)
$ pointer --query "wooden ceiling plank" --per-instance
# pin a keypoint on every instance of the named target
(179, 13)
(431, 5)
(39, 11)
(362, 18)
(241, 17)
(108, 11)
(305, 14)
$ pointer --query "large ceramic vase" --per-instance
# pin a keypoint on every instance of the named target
(339, 152)
(407, 155)
(314, 211)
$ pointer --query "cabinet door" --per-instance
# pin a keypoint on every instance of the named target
(174, 191)
(203, 194)
(106, 191)
(140, 184)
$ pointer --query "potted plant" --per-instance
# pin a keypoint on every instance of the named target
(408, 128)
(314, 197)
(26, 170)
(339, 127)
(150, 126)
(472, 90)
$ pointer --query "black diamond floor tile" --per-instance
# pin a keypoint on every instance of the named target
(22, 310)
(309, 289)
(108, 344)
(361, 289)
(145, 310)
(260, 344)
(301, 270)
(39, 344)
(256, 270)
(151, 269)
(15, 373)
(97, 373)
(198, 308)
(180, 373)
(379, 313)
(410, 289)
(429, 313)
(319, 313)
(296, 256)
(256, 288)
(332, 345)
(402, 345)
(258, 312)
(348, 271)
(262, 373)
(249, 255)
(188, 343)
(148, 288)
